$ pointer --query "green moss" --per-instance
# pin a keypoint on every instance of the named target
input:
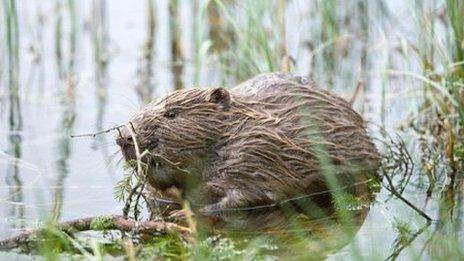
(350, 202)
(374, 185)
(102, 223)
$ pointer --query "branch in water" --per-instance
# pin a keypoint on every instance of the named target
(99, 223)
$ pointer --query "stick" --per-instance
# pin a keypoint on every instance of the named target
(408, 242)
(392, 189)
(128, 203)
(99, 223)
(93, 135)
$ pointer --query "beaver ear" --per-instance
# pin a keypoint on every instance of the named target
(220, 96)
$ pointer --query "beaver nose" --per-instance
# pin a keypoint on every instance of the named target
(124, 137)
(124, 141)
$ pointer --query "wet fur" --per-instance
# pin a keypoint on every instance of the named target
(260, 143)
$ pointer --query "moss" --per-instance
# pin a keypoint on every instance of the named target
(350, 202)
(102, 223)
(374, 185)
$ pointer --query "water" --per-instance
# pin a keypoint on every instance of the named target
(44, 171)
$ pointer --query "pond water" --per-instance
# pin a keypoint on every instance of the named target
(82, 69)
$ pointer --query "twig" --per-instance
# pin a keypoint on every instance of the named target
(397, 160)
(138, 158)
(93, 135)
(99, 223)
(128, 203)
(392, 189)
(402, 160)
(137, 200)
(140, 175)
(397, 252)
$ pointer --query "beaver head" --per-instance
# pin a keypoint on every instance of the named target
(182, 128)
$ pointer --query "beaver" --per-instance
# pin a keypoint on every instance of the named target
(271, 139)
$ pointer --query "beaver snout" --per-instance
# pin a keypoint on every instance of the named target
(126, 143)
(124, 137)
(127, 148)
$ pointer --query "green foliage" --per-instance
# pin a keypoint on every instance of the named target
(102, 223)
(252, 51)
(217, 248)
(404, 232)
(123, 187)
(169, 247)
(455, 11)
(349, 202)
(52, 242)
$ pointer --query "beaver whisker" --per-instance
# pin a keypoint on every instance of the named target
(104, 145)
(157, 157)
(113, 156)
(119, 161)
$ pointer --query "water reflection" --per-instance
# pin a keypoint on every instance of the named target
(100, 43)
(14, 181)
(37, 71)
(144, 86)
(64, 152)
(294, 234)
(445, 237)
(66, 67)
(58, 38)
(177, 56)
(15, 121)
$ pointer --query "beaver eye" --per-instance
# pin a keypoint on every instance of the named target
(171, 113)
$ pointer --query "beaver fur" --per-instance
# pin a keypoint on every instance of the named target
(270, 139)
